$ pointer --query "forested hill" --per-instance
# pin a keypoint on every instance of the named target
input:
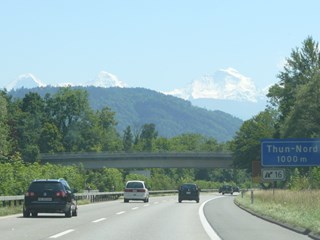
(138, 106)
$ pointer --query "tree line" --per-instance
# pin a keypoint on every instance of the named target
(65, 122)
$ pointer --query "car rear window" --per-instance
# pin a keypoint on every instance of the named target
(188, 186)
(45, 186)
(134, 185)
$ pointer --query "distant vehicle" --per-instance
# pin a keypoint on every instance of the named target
(189, 191)
(236, 189)
(136, 190)
(49, 196)
(226, 189)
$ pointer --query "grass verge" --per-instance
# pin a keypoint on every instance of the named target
(4, 211)
(297, 208)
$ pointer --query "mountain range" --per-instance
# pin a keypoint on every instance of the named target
(135, 107)
(226, 90)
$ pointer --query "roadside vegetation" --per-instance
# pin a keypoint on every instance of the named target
(4, 211)
(297, 208)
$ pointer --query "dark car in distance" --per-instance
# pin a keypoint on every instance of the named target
(236, 189)
(226, 189)
(49, 196)
(189, 191)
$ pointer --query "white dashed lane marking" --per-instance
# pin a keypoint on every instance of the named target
(96, 221)
(119, 213)
(62, 233)
(99, 220)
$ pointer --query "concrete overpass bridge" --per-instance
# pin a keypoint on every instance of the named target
(95, 160)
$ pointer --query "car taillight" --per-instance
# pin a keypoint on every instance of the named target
(30, 194)
(141, 190)
(61, 194)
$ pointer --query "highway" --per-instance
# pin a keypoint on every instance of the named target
(163, 218)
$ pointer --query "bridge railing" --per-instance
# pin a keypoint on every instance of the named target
(92, 196)
(128, 154)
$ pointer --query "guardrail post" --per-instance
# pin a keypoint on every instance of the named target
(252, 197)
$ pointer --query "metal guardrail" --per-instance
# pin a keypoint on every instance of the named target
(9, 200)
(92, 196)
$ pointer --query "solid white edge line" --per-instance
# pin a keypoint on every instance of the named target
(205, 224)
(62, 233)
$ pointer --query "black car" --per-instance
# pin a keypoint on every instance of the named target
(49, 196)
(236, 189)
(226, 189)
(189, 191)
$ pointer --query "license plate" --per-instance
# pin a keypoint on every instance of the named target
(45, 199)
(188, 192)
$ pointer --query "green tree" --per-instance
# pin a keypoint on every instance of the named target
(212, 145)
(109, 137)
(50, 139)
(69, 110)
(188, 142)
(4, 128)
(28, 121)
(300, 75)
(303, 120)
(246, 144)
(147, 137)
(106, 179)
(127, 139)
(162, 144)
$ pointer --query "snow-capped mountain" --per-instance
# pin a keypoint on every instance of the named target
(105, 79)
(27, 80)
(226, 84)
(226, 90)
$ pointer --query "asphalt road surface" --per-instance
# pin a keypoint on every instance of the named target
(163, 218)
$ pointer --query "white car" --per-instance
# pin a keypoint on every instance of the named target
(136, 190)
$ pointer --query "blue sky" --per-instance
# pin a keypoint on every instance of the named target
(159, 45)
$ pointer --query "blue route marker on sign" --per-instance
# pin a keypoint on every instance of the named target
(290, 152)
